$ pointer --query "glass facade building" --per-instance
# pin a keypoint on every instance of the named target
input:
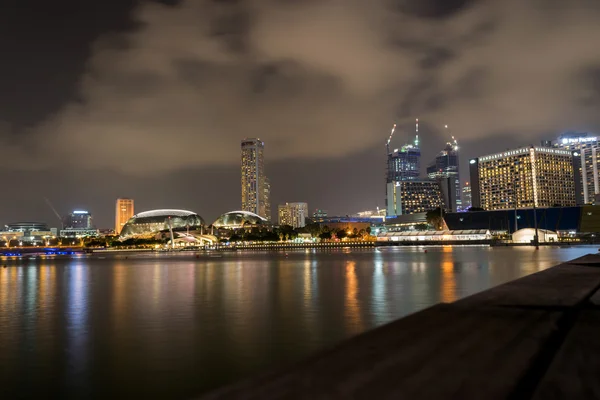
(446, 166)
(523, 178)
(404, 164)
(149, 223)
(255, 186)
(78, 220)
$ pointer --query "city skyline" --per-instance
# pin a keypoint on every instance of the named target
(117, 112)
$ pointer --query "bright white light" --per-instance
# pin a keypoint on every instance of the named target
(472, 162)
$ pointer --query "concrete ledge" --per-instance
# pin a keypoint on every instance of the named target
(525, 339)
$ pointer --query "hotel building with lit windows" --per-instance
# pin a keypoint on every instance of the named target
(413, 196)
(523, 178)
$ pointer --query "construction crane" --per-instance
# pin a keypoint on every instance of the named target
(387, 145)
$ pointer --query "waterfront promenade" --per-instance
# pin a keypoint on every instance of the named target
(533, 338)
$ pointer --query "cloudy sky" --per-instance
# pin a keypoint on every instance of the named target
(150, 99)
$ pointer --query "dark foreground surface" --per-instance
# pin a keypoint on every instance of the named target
(176, 326)
(534, 338)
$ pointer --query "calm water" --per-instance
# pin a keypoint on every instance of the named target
(175, 326)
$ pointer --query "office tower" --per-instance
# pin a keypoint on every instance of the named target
(78, 219)
(466, 197)
(123, 211)
(413, 196)
(445, 167)
(523, 178)
(293, 214)
(585, 148)
(404, 164)
(255, 186)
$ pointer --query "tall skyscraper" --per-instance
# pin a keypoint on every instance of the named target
(585, 148)
(293, 214)
(255, 186)
(403, 164)
(523, 178)
(445, 167)
(123, 211)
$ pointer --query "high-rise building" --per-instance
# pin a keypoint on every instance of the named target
(523, 178)
(585, 148)
(255, 186)
(404, 164)
(466, 197)
(445, 167)
(293, 214)
(413, 196)
(78, 219)
(123, 211)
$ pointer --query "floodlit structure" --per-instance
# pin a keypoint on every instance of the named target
(124, 210)
(255, 185)
(239, 219)
(522, 178)
(527, 235)
(149, 223)
(435, 236)
(466, 197)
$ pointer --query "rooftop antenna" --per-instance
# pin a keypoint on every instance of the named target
(417, 132)
(55, 212)
(387, 145)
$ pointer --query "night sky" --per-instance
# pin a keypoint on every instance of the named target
(149, 100)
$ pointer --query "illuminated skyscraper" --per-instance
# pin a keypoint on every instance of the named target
(523, 178)
(585, 149)
(445, 167)
(255, 185)
(124, 210)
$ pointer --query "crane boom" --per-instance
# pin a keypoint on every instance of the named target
(387, 145)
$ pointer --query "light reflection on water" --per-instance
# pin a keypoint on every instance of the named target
(175, 326)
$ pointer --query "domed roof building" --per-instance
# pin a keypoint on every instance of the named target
(148, 223)
(239, 219)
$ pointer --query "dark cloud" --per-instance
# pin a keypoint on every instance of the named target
(172, 86)
(433, 8)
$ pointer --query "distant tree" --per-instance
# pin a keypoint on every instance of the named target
(436, 218)
(325, 235)
(368, 230)
(341, 233)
